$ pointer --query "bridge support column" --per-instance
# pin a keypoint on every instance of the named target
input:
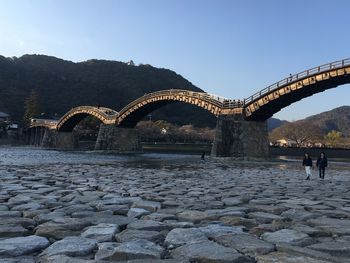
(59, 140)
(236, 137)
(113, 138)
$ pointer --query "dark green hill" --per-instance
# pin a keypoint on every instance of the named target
(63, 84)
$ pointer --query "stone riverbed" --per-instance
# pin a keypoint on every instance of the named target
(172, 209)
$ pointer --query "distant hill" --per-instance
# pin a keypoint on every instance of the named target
(273, 123)
(63, 84)
(337, 119)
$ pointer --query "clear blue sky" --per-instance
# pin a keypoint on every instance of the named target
(229, 48)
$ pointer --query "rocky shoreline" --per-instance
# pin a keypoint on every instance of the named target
(200, 212)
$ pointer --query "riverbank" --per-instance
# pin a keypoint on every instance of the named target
(81, 207)
(274, 151)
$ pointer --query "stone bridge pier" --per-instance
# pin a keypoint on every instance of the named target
(236, 137)
(60, 140)
(113, 138)
(35, 135)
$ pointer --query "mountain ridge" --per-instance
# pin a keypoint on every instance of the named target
(63, 84)
(337, 119)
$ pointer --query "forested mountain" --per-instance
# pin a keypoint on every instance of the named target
(273, 123)
(320, 127)
(62, 84)
(337, 119)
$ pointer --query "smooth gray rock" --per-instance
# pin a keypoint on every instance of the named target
(137, 212)
(62, 227)
(64, 259)
(282, 257)
(311, 231)
(19, 199)
(332, 225)
(136, 249)
(176, 224)
(4, 214)
(24, 259)
(147, 205)
(192, 216)
(307, 252)
(288, 236)
(4, 208)
(335, 248)
(264, 218)
(159, 217)
(12, 231)
(232, 201)
(68, 210)
(246, 244)
(22, 221)
(298, 215)
(215, 230)
(71, 246)
(122, 221)
(301, 201)
(105, 250)
(19, 246)
(45, 217)
(229, 211)
(150, 225)
(209, 251)
(134, 234)
(27, 206)
(116, 209)
(180, 236)
(101, 232)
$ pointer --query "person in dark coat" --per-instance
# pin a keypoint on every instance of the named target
(307, 162)
(322, 164)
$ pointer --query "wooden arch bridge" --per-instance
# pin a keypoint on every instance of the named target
(237, 119)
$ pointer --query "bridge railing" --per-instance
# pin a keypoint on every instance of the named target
(215, 100)
(42, 122)
(296, 77)
(106, 112)
(230, 104)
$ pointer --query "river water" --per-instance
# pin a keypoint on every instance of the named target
(27, 156)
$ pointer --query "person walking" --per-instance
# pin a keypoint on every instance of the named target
(322, 164)
(307, 162)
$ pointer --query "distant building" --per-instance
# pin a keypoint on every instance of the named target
(286, 143)
(4, 117)
(131, 63)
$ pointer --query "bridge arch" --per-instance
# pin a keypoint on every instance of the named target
(135, 111)
(75, 115)
(265, 103)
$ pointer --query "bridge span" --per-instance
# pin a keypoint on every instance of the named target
(241, 127)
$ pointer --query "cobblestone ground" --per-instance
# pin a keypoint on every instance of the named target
(212, 211)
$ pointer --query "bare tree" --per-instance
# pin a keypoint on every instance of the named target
(301, 132)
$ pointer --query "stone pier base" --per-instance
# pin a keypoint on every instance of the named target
(35, 136)
(60, 140)
(235, 137)
(112, 138)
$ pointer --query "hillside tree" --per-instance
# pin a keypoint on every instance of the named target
(31, 107)
(300, 132)
(333, 138)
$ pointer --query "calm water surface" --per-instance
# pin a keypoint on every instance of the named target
(19, 156)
